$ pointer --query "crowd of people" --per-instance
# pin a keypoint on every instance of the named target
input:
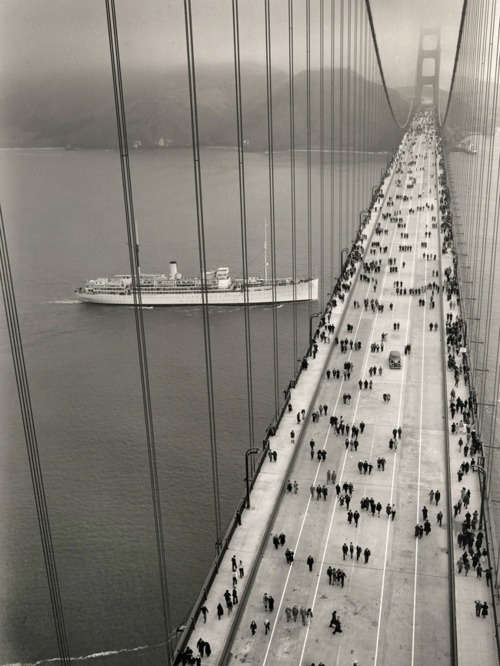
(470, 537)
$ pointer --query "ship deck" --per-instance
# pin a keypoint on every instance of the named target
(399, 606)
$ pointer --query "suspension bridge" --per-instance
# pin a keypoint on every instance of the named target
(395, 396)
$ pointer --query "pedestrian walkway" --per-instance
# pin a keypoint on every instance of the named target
(385, 572)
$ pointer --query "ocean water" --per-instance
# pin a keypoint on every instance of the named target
(63, 213)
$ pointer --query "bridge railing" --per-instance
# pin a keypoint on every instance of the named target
(221, 547)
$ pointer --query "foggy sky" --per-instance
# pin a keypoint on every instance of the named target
(39, 38)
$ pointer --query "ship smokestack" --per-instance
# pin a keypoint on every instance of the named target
(173, 270)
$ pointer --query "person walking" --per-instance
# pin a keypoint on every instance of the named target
(204, 611)
(253, 627)
(267, 626)
(265, 601)
(310, 562)
(440, 518)
(270, 601)
(367, 554)
(345, 550)
(220, 611)
(295, 612)
(437, 496)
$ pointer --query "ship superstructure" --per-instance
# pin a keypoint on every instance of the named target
(175, 289)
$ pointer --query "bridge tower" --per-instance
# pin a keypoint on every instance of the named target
(428, 66)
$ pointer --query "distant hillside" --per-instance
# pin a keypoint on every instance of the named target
(80, 111)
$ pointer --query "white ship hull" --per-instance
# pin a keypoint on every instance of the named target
(302, 291)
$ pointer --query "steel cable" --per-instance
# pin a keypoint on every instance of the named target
(272, 220)
(381, 71)
(140, 332)
(455, 63)
(332, 146)
(308, 151)
(243, 219)
(322, 151)
(293, 200)
(203, 269)
(28, 421)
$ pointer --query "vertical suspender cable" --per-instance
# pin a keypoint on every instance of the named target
(484, 199)
(308, 147)
(349, 146)
(243, 219)
(472, 259)
(141, 337)
(332, 146)
(270, 147)
(366, 117)
(356, 126)
(494, 77)
(481, 176)
(293, 201)
(203, 266)
(341, 135)
(322, 149)
(23, 391)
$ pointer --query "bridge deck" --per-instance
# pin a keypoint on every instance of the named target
(395, 608)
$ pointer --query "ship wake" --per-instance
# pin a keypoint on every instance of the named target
(89, 657)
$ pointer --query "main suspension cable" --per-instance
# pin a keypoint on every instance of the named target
(381, 71)
(455, 63)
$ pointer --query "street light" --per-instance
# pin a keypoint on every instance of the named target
(346, 250)
(248, 453)
(313, 316)
(483, 489)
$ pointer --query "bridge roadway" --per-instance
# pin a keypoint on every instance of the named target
(397, 608)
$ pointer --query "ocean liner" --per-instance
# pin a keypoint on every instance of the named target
(174, 289)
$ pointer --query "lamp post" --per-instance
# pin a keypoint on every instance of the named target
(248, 453)
(313, 316)
(346, 250)
(483, 490)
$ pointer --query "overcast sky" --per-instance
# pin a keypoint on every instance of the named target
(43, 37)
